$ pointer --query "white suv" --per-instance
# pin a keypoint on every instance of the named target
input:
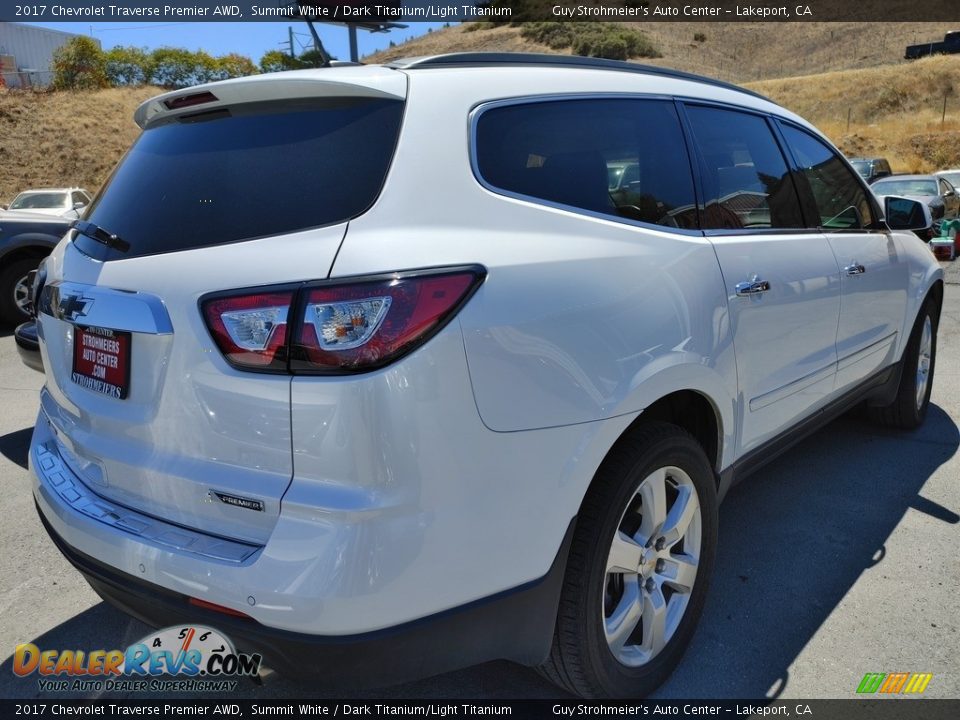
(382, 381)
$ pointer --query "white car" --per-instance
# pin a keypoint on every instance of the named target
(364, 367)
(60, 202)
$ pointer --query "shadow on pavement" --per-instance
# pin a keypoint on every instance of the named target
(15, 446)
(794, 538)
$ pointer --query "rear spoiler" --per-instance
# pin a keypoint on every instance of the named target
(354, 81)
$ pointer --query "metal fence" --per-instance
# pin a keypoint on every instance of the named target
(26, 79)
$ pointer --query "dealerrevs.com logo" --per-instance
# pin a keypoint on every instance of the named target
(201, 658)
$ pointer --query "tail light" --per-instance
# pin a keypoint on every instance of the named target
(341, 326)
(251, 330)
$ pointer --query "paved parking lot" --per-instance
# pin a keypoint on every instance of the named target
(840, 558)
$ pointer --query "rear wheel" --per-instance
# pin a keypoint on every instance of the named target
(639, 567)
(15, 290)
(909, 409)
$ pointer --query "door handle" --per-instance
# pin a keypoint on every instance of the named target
(752, 287)
(855, 269)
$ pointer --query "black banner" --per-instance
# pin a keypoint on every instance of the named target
(892, 709)
(407, 11)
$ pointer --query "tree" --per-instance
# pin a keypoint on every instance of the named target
(174, 67)
(276, 61)
(79, 65)
(128, 66)
(233, 65)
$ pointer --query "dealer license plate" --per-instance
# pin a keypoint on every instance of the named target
(101, 360)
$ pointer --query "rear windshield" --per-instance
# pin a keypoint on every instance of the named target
(905, 187)
(246, 172)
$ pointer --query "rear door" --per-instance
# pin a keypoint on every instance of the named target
(873, 274)
(231, 201)
(781, 278)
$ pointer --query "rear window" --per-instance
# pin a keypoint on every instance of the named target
(246, 172)
(624, 158)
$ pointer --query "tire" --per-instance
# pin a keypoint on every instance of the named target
(582, 660)
(11, 279)
(909, 409)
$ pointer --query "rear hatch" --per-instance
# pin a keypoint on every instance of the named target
(242, 185)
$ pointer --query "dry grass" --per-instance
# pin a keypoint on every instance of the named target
(64, 138)
(76, 138)
(894, 111)
(738, 52)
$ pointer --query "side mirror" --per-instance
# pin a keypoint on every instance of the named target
(79, 205)
(905, 214)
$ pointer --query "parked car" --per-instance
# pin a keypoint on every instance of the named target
(936, 192)
(24, 241)
(493, 419)
(59, 202)
(871, 169)
(951, 176)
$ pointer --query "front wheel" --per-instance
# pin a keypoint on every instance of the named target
(639, 567)
(15, 290)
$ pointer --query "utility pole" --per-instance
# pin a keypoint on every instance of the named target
(354, 55)
(293, 52)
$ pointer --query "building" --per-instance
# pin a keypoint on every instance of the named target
(26, 53)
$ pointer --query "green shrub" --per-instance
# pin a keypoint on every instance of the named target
(276, 61)
(174, 67)
(699, 37)
(79, 65)
(127, 66)
(591, 39)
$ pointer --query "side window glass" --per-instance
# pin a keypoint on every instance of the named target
(747, 183)
(841, 202)
(619, 157)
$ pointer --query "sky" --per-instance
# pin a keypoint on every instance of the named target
(252, 39)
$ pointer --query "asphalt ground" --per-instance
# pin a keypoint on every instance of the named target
(838, 559)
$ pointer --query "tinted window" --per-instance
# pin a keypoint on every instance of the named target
(78, 197)
(39, 201)
(746, 180)
(247, 172)
(839, 199)
(862, 167)
(625, 158)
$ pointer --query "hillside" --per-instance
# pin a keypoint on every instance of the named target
(64, 138)
(738, 52)
(894, 108)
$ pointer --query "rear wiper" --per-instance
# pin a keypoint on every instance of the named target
(95, 232)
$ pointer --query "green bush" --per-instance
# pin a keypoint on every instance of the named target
(591, 39)
(127, 66)
(276, 61)
(233, 65)
(79, 65)
(699, 37)
(175, 67)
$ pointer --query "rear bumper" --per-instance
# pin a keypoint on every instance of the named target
(150, 569)
(515, 625)
(28, 345)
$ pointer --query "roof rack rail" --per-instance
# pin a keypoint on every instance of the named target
(479, 59)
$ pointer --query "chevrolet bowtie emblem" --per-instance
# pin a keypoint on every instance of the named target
(73, 306)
